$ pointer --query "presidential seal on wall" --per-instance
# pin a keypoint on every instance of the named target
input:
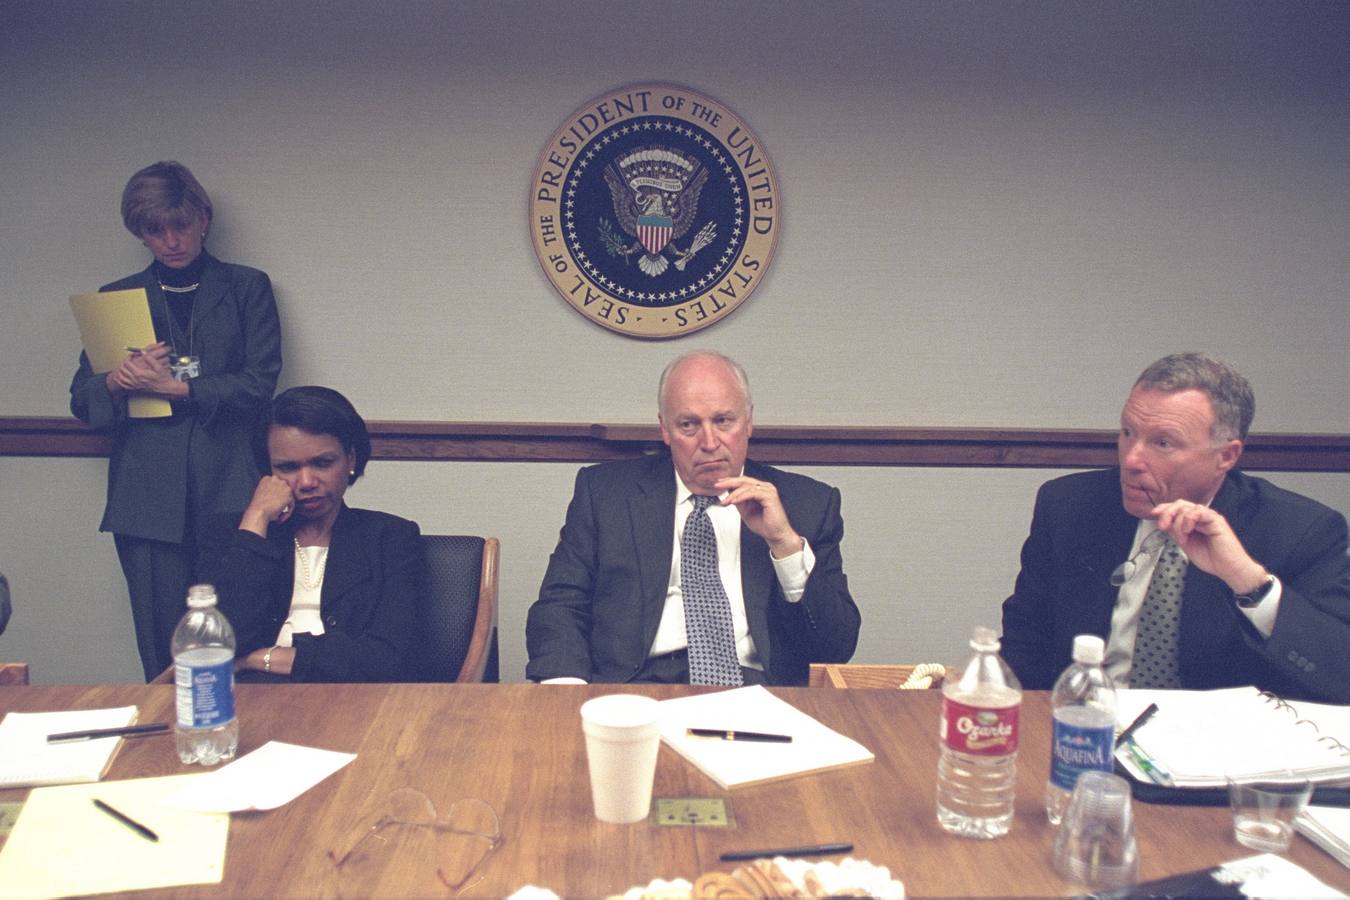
(654, 210)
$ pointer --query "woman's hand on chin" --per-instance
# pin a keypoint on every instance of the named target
(272, 502)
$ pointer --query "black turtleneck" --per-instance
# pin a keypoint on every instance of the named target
(177, 330)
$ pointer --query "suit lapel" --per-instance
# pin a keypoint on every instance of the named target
(758, 579)
(210, 292)
(1096, 557)
(154, 299)
(651, 511)
(347, 563)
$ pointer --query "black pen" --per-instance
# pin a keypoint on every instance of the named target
(1138, 722)
(726, 735)
(128, 821)
(814, 850)
(124, 731)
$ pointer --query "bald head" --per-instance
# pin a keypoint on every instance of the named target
(705, 362)
(705, 416)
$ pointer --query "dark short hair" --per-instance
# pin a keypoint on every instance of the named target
(161, 195)
(318, 410)
(1229, 392)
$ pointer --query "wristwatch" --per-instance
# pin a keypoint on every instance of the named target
(1248, 601)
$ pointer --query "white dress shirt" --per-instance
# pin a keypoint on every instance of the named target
(304, 616)
(792, 572)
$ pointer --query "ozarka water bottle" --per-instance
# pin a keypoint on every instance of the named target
(1084, 708)
(207, 730)
(977, 771)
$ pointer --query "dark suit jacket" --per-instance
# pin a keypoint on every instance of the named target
(605, 588)
(1080, 532)
(371, 583)
(197, 463)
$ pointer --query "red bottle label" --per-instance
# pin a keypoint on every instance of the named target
(978, 731)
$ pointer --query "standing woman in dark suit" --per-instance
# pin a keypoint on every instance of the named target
(316, 590)
(168, 476)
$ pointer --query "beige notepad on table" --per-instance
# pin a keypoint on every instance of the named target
(63, 844)
(814, 747)
(110, 322)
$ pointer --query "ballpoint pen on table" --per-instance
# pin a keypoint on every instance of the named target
(790, 852)
(127, 821)
(730, 735)
(127, 731)
(1138, 722)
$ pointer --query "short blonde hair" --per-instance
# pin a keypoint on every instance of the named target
(164, 194)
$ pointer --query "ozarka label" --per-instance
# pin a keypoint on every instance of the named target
(654, 210)
(978, 731)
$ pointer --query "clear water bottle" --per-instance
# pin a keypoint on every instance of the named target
(1084, 707)
(207, 730)
(977, 772)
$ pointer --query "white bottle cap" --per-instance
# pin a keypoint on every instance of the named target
(984, 639)
(1088, 648)
(200, 595)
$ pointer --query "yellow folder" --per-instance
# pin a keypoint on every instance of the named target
(110, 322)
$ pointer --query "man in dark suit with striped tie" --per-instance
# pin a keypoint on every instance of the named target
(696, 565)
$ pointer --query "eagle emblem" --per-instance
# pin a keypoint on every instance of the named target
(655, 194)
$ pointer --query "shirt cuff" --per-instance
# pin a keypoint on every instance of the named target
(793, 571)
(564, 679)
(1263, 614)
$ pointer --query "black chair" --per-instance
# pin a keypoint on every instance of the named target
(458, 613)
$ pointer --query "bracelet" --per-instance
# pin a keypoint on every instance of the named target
(267, 659)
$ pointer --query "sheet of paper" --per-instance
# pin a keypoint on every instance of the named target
(64, 845)
(814, 747)
(27, 759)
(1329, 828)
(274, 774)
(110, 322)
(1268, 875)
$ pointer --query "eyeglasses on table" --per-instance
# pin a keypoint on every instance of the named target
(409, 810)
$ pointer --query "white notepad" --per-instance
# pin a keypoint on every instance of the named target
(27, 760)
(814, 747)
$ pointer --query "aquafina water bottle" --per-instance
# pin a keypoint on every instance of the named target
(207, 730)
(1084, 708)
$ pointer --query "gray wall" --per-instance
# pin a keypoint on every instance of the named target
(993, 214)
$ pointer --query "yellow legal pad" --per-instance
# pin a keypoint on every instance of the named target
(64, 845)
(110, 322)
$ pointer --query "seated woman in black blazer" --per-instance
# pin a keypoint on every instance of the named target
(315, 590)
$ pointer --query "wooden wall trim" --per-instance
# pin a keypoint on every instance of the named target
(41, 436)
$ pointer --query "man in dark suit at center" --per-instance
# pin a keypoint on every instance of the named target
(651, 583)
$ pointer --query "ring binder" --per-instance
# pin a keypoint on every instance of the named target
(1203, 739)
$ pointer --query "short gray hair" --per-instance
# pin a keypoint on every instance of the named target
(741, 378)
(1229, 392)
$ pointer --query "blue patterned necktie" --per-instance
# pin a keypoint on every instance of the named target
(707, 611)
(1156, 662)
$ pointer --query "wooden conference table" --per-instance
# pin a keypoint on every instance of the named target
(520, 748)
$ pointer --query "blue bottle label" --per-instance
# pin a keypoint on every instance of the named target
(1077, 750)
(205, 695)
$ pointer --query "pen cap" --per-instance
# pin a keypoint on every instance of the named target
(1089, 649)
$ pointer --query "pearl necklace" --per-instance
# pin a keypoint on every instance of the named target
(310, 581)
